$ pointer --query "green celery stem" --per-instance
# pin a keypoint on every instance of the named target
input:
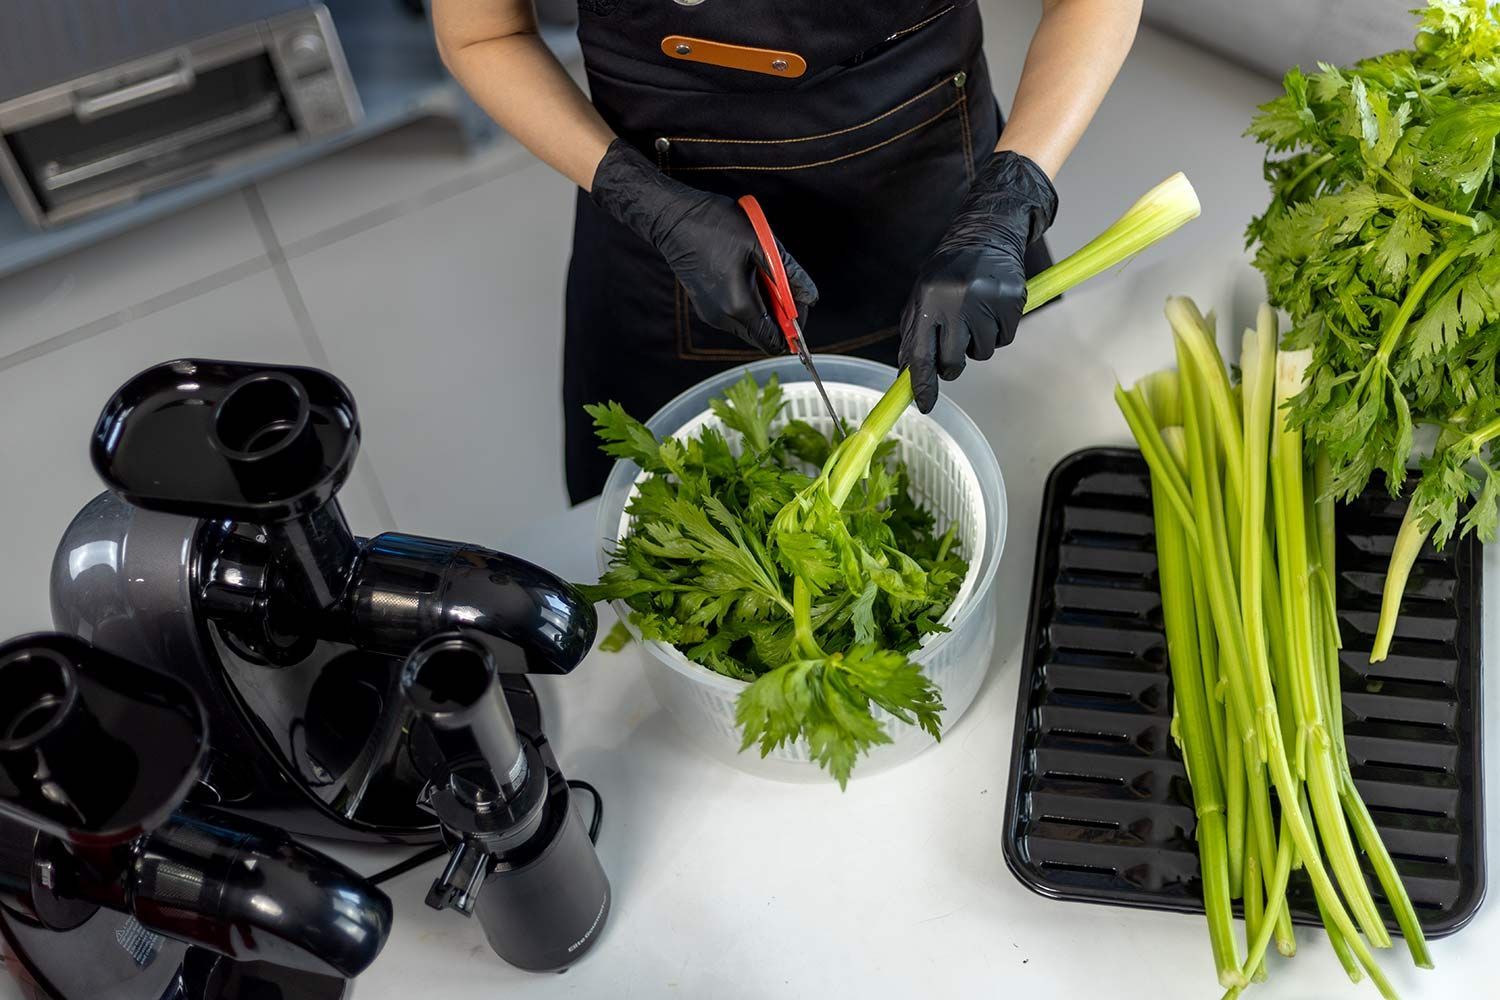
(1413, 298)
(1326, 646)
(802, 625)
(1191, 702)
(1409, 541)
(1157, 214)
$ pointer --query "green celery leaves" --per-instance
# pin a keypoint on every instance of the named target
(1380, 243)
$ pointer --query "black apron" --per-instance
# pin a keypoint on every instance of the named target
(859, 163)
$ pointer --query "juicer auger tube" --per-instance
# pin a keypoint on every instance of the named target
(221, 556)
(111, 886)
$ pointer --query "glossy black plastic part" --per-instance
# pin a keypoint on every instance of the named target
(92, 747)
(218, 439)
(407, 588)
(1100, 809)
(249, 892)
(453, 680)
(113, 864)
(521, 859)
(544, 906)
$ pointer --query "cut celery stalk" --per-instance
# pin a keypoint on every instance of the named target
(1157, 214)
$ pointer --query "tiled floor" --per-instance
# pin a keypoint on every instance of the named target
(432, 283)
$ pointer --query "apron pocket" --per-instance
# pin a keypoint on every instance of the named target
(859, 203)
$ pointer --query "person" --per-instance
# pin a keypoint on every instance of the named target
(867, 131)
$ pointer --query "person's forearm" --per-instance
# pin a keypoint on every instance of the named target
(492, 48)
(1074, 56)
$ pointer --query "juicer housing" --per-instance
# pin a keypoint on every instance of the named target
(102, 859)
(221, 557)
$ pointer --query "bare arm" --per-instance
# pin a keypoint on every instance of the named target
(493, 49)
(1074, 56)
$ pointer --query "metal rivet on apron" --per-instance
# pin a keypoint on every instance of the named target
(960, 79)
(663, 144)
(779, 65)
(688, 3)
(683, 48)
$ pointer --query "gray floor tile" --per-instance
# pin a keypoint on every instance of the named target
(447, 324)
(376, 175)
(124, 272)
(48, 406)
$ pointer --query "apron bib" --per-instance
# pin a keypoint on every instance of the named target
(859, 162)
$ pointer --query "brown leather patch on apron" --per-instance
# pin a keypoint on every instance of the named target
(772, 62)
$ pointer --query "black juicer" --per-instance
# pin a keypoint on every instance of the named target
(220, 557)
(113, 887)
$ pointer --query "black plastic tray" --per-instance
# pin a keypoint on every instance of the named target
(1100, 809)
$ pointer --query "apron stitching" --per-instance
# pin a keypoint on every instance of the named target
(835, 159)
(921, 24)
(968, 136)
(822, 135)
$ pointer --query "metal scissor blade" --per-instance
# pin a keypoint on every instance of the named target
(807, 362)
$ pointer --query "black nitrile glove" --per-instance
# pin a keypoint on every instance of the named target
(706, 239)
(969, 294)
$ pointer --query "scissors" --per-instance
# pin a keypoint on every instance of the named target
(779, 291)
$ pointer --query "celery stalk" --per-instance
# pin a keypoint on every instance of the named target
(1255, 906)
(1193, 332)
(1409, 542)
(1257, 360)
(1275, 906)
(1296, 581)
(1336, 939)
(1191, 705)
(1326, 645)
(1157, 214)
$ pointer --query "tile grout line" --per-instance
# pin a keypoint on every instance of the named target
(435, 195)
(308, 332)
(141, 310)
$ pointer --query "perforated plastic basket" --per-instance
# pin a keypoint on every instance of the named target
(953, 474)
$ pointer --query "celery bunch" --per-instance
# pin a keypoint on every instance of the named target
(1244, 524)
(1380, 243)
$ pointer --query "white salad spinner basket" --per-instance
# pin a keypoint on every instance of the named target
(953, 474)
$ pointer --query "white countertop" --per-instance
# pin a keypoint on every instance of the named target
(728, 886)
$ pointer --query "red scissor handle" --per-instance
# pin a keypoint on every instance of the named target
(778, 289)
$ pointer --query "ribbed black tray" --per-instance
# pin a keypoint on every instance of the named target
(1100, 809)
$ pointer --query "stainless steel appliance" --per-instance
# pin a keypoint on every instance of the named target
(194, 106)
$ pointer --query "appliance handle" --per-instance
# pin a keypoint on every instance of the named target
(55, 176)
(176, 80)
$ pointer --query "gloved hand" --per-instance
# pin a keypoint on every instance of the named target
(969, 294)
(706, 239)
